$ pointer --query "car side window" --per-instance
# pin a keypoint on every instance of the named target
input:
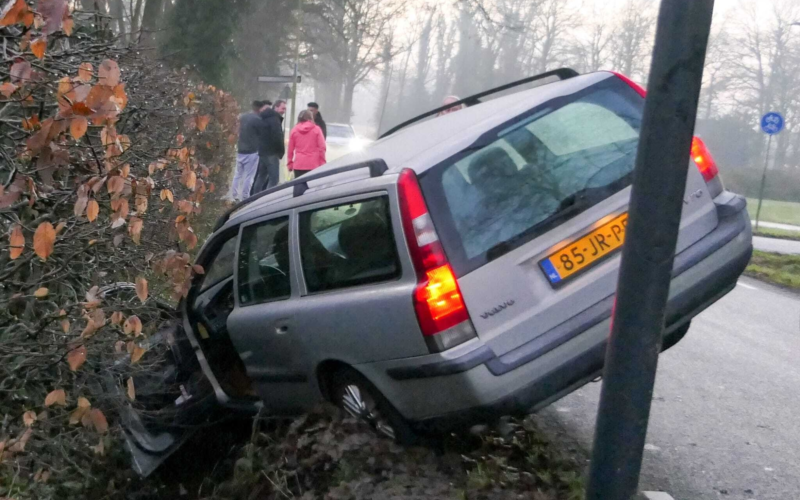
(348, 245)
(264, 263)
(221, 267)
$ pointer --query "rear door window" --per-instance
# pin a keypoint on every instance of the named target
(535, 172)
(264, 273)
(347, 245)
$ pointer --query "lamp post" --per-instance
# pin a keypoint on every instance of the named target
(296, 62)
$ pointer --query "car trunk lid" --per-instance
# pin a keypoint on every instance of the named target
(547, 193)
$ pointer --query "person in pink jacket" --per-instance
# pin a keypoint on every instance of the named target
(306, 145)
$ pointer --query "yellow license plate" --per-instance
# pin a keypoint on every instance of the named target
(582, 253)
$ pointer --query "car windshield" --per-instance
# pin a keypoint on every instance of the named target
(533, 173)
(340, 132)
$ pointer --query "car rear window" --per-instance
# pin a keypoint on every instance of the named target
(534, 172)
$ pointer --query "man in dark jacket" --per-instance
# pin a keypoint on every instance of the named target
(271, 147)
(314, 108)
(250, 132)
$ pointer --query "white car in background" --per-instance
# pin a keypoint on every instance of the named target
(342, 139)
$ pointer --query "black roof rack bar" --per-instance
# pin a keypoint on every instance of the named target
(561, 73)
(299, 186)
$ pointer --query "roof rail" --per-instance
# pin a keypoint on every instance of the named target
(376, 168)
(561, 73)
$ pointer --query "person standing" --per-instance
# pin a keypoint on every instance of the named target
(451, 99)
(271, 148)
(250, 130)
(306, 145)
(314, 108)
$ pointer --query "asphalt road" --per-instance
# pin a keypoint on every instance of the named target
(776, 245)
(725, 421)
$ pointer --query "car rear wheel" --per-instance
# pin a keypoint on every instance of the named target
(359, 398)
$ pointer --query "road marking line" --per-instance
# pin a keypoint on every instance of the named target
(749, 287)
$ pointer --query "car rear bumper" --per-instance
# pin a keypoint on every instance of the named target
(480, 385)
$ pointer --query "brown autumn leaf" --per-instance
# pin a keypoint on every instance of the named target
(92, 210)
(78, 127)
(99, 449)
(117, 318)
(115, 185)
(53, 12)
(141, 204)
(99, 421)
(76, 358)
(108, 73)
(141, 288)
(85, 71)
(135, 229)
(21, 72)
(28, 418)
(67, 24)
(40, 139)
(18, 445)
(198, 269)
(166, 194)
(16, 242)
(44, 240)
(137, 354)
(120, 96)
(30, 123)
(41, 293)
(133, 325)
(202, 122)
(41, 476)
(119, 347)
(84, 403)
(7, 88)
(98, 96)
(14, 12)
(65, 325)
(38, 47)
(131, 389)
(56, 397)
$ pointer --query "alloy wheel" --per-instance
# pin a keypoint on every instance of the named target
(360, 404)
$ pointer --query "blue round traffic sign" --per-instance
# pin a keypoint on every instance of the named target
(772, 123)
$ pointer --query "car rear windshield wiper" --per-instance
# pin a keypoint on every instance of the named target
(575, 203)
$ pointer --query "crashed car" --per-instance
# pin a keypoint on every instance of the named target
(459, 269)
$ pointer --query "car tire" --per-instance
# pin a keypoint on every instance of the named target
(356, 396)
(676, 336)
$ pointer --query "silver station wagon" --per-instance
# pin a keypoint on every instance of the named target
(459, 269)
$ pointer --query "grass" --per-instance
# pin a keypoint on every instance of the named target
(779, 269)
(785, 212)
(777, 233)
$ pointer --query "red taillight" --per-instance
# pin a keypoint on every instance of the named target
(437, 298)
(438, 301)
(702, 157)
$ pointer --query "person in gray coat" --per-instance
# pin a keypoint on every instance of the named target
(250, 132)
(271, 148)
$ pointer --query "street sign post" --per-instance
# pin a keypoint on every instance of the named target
(659, 181)
(771, 124)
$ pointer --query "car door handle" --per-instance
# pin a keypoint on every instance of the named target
(281, 329)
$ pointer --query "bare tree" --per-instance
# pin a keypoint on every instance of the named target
(349, 33)
(445, 43)
(151, 17)
(766, 67)
(631, 41)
